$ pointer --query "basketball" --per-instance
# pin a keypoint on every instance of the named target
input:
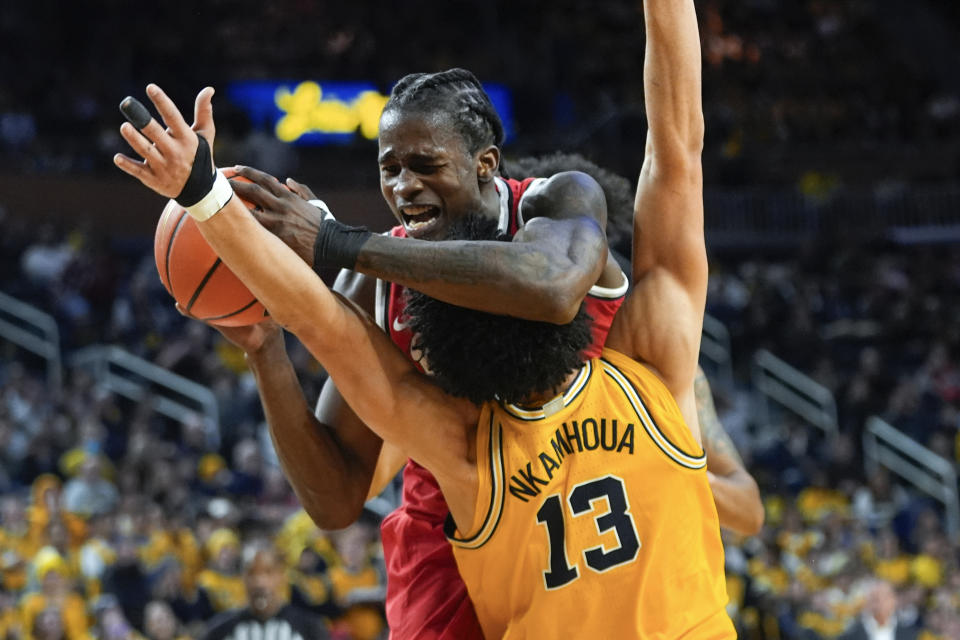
(195, 276)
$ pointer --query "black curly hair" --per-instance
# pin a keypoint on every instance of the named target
(457, 93)
(483, 356)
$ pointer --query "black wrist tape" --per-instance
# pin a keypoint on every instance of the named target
(202, 176)
(338, 245)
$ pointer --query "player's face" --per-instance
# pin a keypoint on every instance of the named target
(427, 175)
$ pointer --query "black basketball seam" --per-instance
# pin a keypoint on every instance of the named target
(173, 237)
(233, 313)
(203, 283)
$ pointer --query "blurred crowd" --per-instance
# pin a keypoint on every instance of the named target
(119, 523)
(782, 78)
(123, 507)
(874, 324)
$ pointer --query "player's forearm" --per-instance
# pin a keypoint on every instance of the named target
(543, 281)
(365, 365)
(672, 85)
(327, 479)
(668, 210)
(735, 491)
(738, 502)
(295, 296)
(376, 379)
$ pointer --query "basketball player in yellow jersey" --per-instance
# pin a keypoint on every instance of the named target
(627, 528)
(578, 494)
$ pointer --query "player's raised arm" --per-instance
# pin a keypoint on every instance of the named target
(668, 216)
(661, 322)
(379, 382)
(542, 275)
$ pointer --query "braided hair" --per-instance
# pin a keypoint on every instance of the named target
(457, 93)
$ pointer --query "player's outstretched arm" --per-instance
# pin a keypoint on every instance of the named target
(381, 384)
(660, 323)
(329, 458)
(735, 492)
(542, 275)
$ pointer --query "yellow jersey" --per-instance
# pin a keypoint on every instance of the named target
(224, 590)
(595, 516)
(359, 621)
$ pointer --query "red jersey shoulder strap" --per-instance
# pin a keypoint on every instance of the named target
(511, 194)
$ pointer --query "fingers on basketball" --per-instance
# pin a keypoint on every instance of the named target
(202, 286)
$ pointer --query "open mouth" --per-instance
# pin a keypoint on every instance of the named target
(260, 600)
(419, 219)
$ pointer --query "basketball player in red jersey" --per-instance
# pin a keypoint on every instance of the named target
(511, 283)
(434, 168)
(736, 492)
(426, 596)
(437, 606)
(675, 110)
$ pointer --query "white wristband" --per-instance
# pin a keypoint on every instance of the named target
(320, 204)
(214, 201)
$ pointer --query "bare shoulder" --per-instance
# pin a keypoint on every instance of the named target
(568, 194)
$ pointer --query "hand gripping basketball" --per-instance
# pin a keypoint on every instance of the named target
(191, 271)
(312, 231)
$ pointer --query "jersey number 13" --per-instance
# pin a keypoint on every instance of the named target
(581, 500)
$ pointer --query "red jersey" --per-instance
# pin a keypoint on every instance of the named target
(426, 599)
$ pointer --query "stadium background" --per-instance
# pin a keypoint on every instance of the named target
(832, 163)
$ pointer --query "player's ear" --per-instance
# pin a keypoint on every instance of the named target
(488, 162)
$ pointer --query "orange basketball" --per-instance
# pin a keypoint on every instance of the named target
(194, 274)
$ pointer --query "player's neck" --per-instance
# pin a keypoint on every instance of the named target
(265, 613)
(536, 400)
(490, 199)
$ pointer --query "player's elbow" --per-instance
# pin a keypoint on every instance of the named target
(687, 138)
(677, 151)
(314, 330)
(562, 309)
(557, 303)
(675, 165)
(329, 516)
(561, 296)
(545, 295)
(755, 516)
(288, 318)
(754, 522)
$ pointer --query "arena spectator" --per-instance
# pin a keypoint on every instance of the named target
(797, 95)
(160, 623)
(265, 607)
(879, 617)
(876, 504)
(359, 584)
(89, 493)
(221, 580)
(111, 623)
(57, 597)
